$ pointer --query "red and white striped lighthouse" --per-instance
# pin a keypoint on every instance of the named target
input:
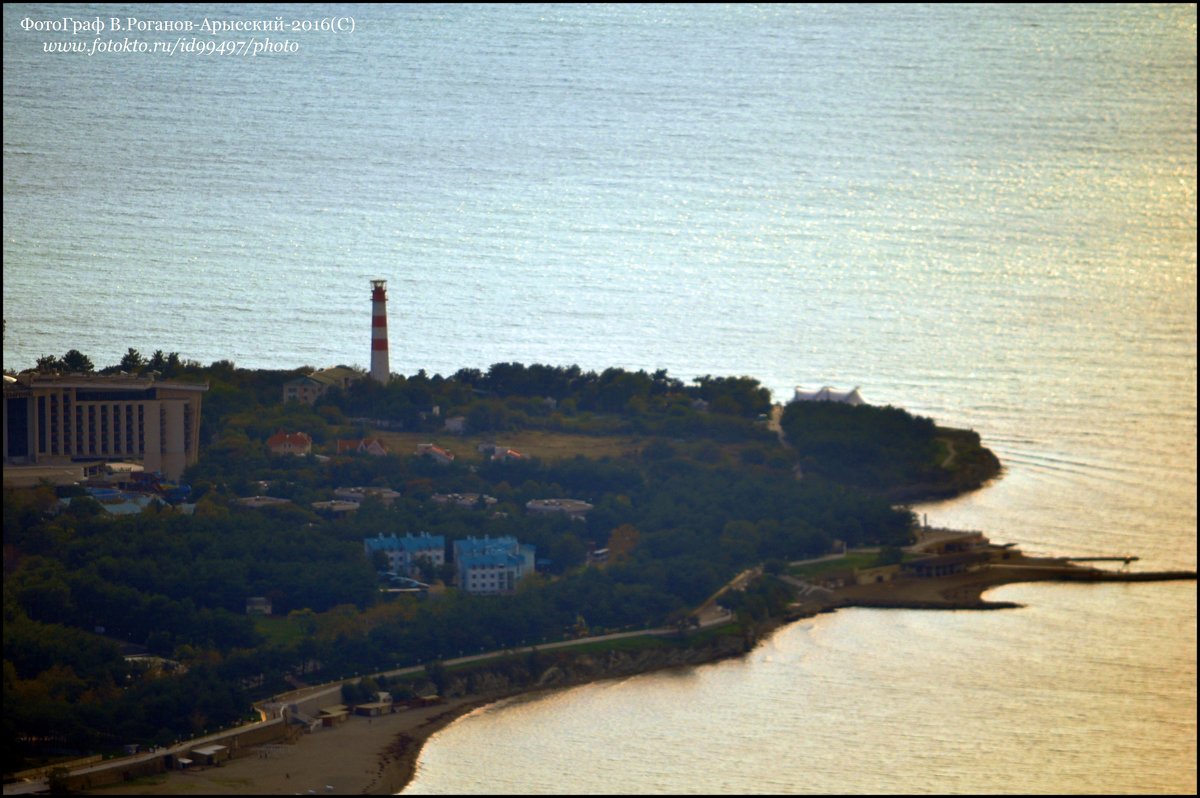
(379, 337)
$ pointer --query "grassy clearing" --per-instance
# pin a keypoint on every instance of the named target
(280, 630)
(542, 444)
(704, 635)
(852, 560)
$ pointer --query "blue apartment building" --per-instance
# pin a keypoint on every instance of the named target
(403, 553)
(490, 566)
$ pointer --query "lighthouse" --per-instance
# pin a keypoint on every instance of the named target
(379, 337)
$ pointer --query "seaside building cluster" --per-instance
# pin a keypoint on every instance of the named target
(483, 566)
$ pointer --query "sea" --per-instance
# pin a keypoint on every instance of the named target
(984, 214)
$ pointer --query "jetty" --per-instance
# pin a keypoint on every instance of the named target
(1125, 560)
(951, 569)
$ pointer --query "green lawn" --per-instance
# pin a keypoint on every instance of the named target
(852, 560)
(278, 629)
(545, 445)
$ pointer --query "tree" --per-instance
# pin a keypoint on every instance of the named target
(77, 361)
(380, 561)
(622, 542)
(889, 555)
(437, 673)
(426, 568)
(133, 362)
(305, 619)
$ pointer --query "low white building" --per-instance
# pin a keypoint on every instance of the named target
(358, 495)
(571, 507)
(468, 500)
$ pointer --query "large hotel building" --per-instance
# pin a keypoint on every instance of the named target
(52, 419)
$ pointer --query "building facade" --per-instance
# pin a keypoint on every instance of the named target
(309, 388)
(52, 419)
(403, 553)
(489, 566)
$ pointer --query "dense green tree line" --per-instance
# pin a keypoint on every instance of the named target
(507, 396)
(867, 446)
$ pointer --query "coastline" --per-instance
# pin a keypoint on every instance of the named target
(368, 756)
(378, 756)
(964, 591)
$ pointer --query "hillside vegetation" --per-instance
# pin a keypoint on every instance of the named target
(688, 487)
(886, 450)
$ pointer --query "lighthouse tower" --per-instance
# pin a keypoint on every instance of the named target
(379, 336)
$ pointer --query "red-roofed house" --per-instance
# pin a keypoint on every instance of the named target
(443, 456)
(362, 446)
(298, 443)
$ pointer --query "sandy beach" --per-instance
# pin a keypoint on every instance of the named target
(372, 756)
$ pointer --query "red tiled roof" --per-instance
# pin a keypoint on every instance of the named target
(289, 438)
(434, 449)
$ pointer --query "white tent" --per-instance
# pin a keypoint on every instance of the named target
(827, 394)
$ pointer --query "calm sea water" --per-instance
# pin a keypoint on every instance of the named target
(987, 215)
